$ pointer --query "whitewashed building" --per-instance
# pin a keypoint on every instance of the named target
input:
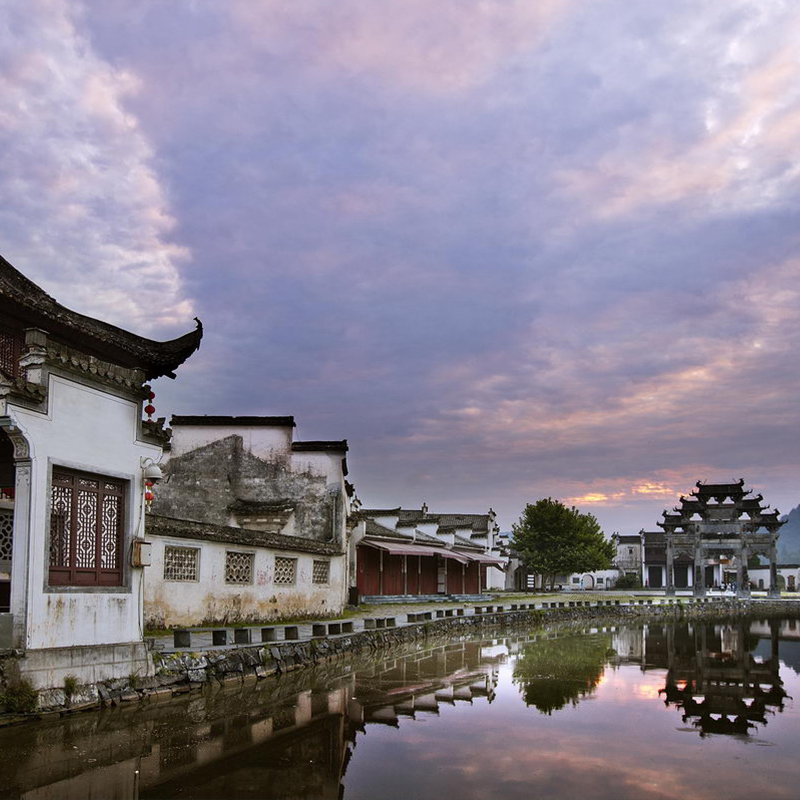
(73, 455)
(248, 525)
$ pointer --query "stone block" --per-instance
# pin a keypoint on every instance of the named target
(50, 698)
(197, 675)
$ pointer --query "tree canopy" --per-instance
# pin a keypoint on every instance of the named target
(551, 539)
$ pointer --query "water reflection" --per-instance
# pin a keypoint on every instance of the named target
(714, 677)
(553, 672)
(296, 736)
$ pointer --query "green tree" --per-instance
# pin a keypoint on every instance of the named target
(551, 539)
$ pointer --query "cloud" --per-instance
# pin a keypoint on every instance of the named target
(83, 210)
(508, 250)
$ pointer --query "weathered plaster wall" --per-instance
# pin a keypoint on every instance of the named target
(261, 440)
(200, 484)
(97, 432)
(211, 600)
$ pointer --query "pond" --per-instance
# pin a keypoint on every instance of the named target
(634, 711)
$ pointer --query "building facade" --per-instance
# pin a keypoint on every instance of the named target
(415, 552)
(248, 525)
(73, 455)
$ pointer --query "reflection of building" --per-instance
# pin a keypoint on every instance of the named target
(709, 538)
(290, 737)
(713, 676)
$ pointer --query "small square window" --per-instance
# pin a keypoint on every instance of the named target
(321, 572)
(576, 580)
(285, 571)
(238, 567)
(180, 563)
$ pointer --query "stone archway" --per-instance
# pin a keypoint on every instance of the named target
(587, 582)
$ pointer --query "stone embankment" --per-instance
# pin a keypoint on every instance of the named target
(181, 672)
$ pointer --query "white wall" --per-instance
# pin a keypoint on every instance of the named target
(87, 429)
(262, 441)
(209, 598)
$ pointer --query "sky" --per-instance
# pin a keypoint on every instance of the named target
(508, 249)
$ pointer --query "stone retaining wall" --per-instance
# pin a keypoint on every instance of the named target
(179, 673)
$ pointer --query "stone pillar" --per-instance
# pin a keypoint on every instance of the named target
(774, 591)
(742, 575)
(697, 584)
(670, 566)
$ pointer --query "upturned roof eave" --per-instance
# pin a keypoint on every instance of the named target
(23, 299)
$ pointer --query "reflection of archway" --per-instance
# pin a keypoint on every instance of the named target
(587, 582)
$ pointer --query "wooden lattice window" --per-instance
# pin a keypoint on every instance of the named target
(238, 567)
(10, 351)
(180, 563)
(86, 529)
(321, 572)
(285, 571)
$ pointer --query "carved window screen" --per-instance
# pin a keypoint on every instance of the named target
(180, 563)
(238, 567)
(6, 534)
(285, 571)
(321, 572)
(10, 351)
(86, 529)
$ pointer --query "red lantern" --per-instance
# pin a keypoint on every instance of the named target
(149, 410)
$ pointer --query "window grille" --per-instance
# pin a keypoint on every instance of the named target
(321, 572)
(285, 570)
(180, 563)
(6, 534)
(10, 351)
(86, 529)
(238, 567)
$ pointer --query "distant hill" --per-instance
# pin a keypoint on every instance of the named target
(789, 541)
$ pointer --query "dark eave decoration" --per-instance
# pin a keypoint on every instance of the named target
(320, 447)
(30, 305)
(244, 422)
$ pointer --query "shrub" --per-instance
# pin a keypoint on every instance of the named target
(20, 697)
(628, 582)
(70, 686)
